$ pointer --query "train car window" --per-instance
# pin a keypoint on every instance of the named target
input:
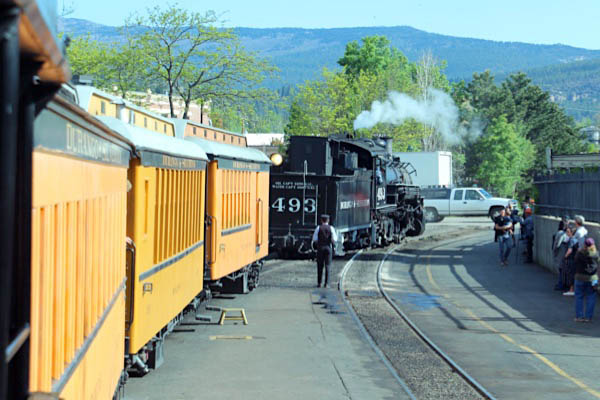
(194, 128)
(458, 195)
(103, 107)
(131, 117)
(232, 139)
(155, 125)
(472, 195)
(165, 128)
(223, 137)
(145, 122)
(215, 135)
(239, 140)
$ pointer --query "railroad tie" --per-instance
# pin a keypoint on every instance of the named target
(241, 317)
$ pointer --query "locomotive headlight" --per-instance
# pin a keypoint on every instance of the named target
(276, 159)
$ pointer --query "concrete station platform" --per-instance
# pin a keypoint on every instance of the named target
(299, 344)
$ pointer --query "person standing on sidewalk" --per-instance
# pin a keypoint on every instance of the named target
(586, 281)
(569, 259)
(581, 232)
(528, 227)
(504, 226)
(324, 239)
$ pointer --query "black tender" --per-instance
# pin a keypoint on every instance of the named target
(366, 190)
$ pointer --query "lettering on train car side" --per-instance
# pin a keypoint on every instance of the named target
(225, 163)
(246, 165)
(179, 163)
(81, 142)
(152, 159)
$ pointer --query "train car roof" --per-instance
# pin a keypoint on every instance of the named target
(147, 140)
(180, 125)
(38, 38)
(85, 92)
(223, 150)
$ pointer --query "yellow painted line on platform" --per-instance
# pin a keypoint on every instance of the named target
(509, 339)
(559, 371)
(226, 337)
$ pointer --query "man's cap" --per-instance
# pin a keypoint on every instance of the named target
(565, 217)
(324, 216)
(589, 242)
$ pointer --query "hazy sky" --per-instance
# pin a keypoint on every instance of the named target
(572, 22)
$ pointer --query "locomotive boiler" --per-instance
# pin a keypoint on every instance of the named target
(365, 189)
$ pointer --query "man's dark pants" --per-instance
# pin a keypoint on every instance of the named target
(530, 249)
(324, 256)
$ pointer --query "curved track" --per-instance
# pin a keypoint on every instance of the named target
(364, 330)
(453, 365)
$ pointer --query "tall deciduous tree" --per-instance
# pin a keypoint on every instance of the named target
(196, 59)
(120, 65)
(505, 155)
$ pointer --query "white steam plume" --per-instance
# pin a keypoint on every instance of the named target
(436, 110)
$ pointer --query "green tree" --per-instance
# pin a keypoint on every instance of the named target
(505, 156)
(374, 55)
(196, 59)
(112, 65)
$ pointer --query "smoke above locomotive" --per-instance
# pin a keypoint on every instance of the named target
(436, 109)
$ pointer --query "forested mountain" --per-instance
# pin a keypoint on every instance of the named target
(302, 53)
(575, 85)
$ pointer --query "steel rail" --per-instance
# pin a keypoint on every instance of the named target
(364, 332)
(455, 367)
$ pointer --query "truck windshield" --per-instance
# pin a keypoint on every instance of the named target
(485, 194)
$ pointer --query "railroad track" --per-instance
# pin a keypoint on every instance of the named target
(413, 327)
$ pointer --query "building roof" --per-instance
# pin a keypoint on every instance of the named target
(84, 94)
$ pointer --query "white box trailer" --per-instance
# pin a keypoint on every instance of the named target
(433, 168)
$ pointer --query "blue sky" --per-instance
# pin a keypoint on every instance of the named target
(572, 22)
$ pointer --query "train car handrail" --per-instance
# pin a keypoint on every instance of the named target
(213, 239)
(130, 247)
(259, 221)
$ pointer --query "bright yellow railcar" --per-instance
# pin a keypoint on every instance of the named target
(77, 254)
(165, 221)
(237, 208)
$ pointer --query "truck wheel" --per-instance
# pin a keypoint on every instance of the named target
(494, 212)
(431, 215)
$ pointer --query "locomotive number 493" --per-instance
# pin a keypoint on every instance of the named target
(293, 205)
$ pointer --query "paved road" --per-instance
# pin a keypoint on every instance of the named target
(505, 326)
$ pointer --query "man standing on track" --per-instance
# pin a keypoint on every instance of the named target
(324, 238)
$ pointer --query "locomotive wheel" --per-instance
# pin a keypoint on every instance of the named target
(418, 229)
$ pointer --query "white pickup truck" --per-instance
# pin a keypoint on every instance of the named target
(441, 202)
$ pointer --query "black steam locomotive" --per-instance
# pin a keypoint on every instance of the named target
(365, 189)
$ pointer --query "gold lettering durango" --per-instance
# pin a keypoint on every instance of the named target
(83, 143)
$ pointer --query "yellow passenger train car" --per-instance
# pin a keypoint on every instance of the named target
(237, 207)
(102, 104)
(79, 207)
(165, 224)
